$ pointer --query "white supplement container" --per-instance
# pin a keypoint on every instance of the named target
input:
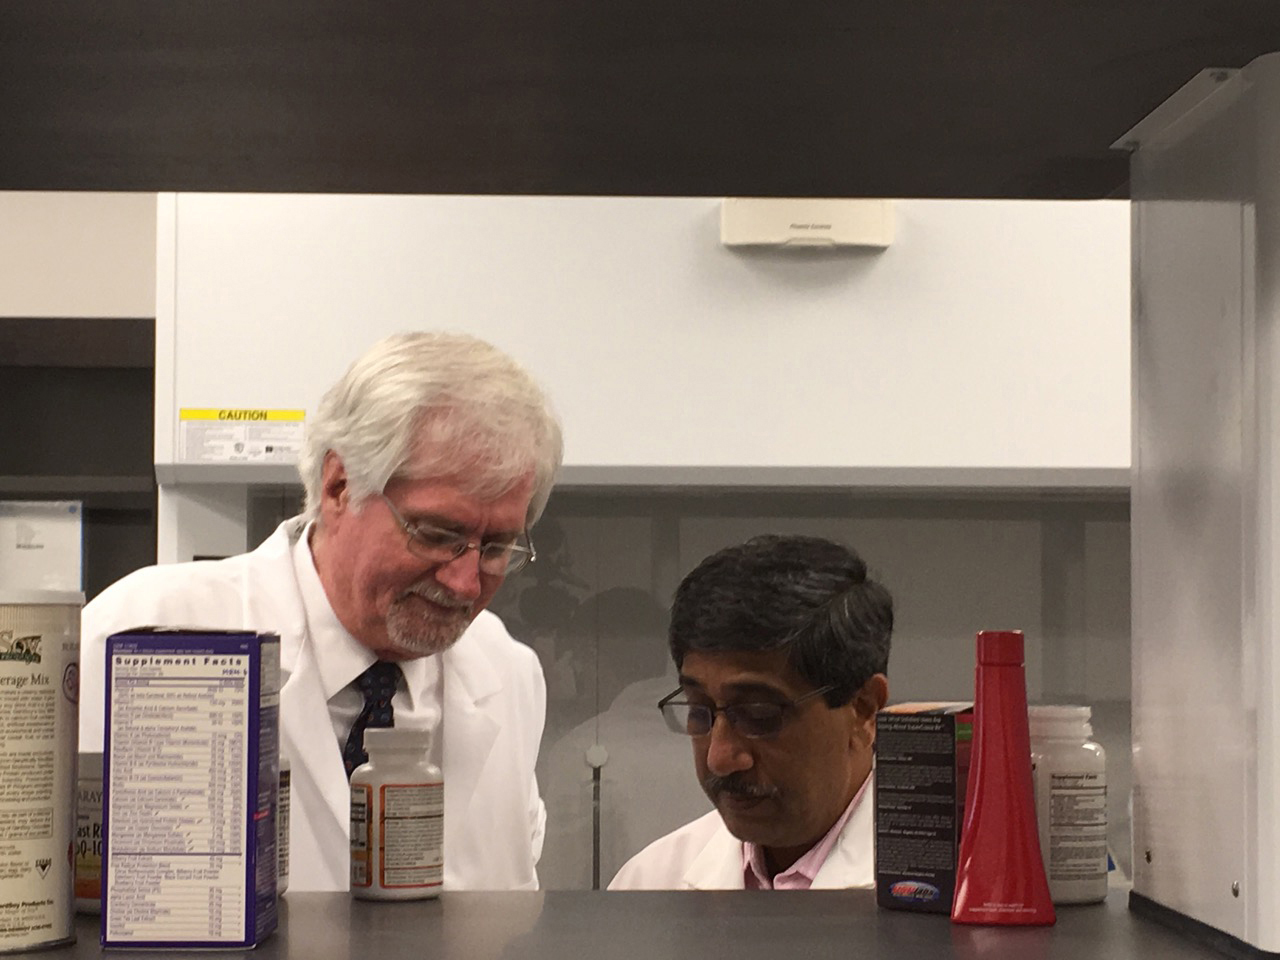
(39, 720)
(89, 833)
(282, 827)
(397, 818)
(1070, 774)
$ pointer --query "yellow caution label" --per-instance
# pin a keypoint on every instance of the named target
(239, 413)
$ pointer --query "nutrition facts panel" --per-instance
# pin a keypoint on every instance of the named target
(177, 768)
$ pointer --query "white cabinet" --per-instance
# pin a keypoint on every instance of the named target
(988, 346)
(77, 254)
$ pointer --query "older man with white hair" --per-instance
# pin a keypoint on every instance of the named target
(425, 467)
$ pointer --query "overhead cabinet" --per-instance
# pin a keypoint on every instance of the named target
(988, 345)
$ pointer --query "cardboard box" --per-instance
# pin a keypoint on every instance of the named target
(190, 767)
(922, 773)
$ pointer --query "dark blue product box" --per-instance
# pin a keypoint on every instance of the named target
(190, 776)
(922, 774)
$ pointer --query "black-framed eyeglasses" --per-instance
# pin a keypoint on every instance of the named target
(438, 545)
(756, 721)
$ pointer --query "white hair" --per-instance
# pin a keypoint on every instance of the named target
(434, 405)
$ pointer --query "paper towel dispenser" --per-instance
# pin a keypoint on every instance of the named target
(784, 221)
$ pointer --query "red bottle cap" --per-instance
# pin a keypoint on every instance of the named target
(1000, 647)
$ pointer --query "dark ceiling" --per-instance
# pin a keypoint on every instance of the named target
(930, 98)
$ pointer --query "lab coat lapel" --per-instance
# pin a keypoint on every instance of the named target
(718, 866)
(319, 783)
(469, 730)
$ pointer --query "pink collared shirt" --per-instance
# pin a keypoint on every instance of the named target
(799, 876)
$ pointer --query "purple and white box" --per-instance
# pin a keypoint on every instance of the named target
(190, 774)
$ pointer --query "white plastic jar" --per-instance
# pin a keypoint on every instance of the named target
(397, 818)
(1070, 774)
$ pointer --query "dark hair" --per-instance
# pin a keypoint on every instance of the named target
(806, 595)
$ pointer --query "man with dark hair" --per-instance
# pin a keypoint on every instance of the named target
(782, 644)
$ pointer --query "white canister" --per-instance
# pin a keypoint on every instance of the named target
(1070, 774)
(39, 694)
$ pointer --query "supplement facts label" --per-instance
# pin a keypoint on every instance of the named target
(1077, 826)
(178, 770)
(411, 842)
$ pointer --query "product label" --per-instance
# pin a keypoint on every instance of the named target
(39, 690)
(265, 832)
(240, 435)
(998, 909)
(922, 765)
(179, 778)
(282, 829)
(361, 835)
(411, 841)
(1077, 826)
(89, 843)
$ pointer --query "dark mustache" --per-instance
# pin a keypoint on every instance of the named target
(736, 786)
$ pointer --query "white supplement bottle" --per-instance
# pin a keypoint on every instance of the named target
(397, 818)
(282, 827)
(1070, 774)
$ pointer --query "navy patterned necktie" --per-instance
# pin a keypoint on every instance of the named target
(378, 684)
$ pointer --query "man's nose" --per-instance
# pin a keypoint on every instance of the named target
(461, 575)
(727, 751)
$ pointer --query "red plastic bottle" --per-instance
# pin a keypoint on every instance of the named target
(1000, 877)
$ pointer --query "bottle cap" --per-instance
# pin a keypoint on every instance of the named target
(1000, 647)
(1059, 712)
(396, 738)
(1059, 720)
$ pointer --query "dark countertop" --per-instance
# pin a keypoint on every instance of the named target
(568, 925)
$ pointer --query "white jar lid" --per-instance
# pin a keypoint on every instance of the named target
(37, 598)
(1055, 720)
(1057, 713)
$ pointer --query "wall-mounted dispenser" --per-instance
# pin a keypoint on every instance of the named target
(788, 222)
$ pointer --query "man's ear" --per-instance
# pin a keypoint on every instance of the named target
(867, 702)
(334, 494)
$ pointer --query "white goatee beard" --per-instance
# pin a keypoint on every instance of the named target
(418, 630)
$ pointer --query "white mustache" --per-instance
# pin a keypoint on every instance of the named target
(438, 595)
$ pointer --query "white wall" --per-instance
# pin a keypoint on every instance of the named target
(77, 254)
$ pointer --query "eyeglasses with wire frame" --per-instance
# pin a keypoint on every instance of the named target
(755, 721)
(438, 545)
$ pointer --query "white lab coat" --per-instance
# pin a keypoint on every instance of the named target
(704, 855)
(493, 713)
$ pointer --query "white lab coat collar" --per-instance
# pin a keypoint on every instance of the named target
(718, 866)
(851, 862)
